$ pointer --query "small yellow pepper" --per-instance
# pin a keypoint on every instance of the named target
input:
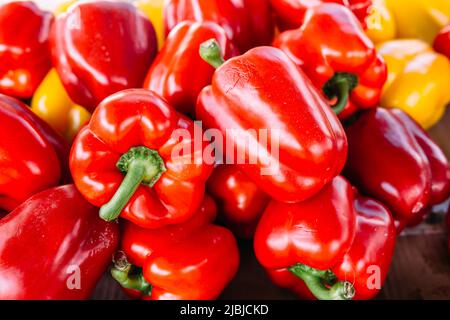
(418, 80)
(51, 103)
(154, 10)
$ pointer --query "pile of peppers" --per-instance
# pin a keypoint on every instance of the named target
(331, 100)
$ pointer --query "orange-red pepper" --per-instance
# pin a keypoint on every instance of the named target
(178, 73)
(110, 49)
(33, 157)
(241, 202)
(131, 161)
(24, 49)
(194, 260)
(365, 264)
(247, 23)
(263, 96)
(333, 50)
(291, 13)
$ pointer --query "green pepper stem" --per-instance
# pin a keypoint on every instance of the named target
(343, 94)
(130, 277)
(210, 52)
(340, 86)
(140, 165)
(314, 280)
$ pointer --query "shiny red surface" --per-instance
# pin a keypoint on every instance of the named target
(330, 41)
(32, 155)
(317, 232)
(178, 73)
(139, 117)
(393, 160)
(263, 93)
(247, 23)
(291, 13)
(46, 238)
(190, 261)
(241, 202)
(24, 49)
(101, 47)
(442, 41)
(366, 263)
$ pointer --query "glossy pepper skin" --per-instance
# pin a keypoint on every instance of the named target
(24, 54)
(178, 73)
(417, 80)
(60, 238)
(442, 41)
(394, 161)
(333, 50)
(247, 23)
(180, 262)
(32, 156)
(366, 263)
(52, 104)
(137, 158)
(313, 235)
(291, 13)
(297, 160)
(240, 201)
(101, 47)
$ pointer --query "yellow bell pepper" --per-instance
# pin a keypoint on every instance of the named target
(154, 10)
(418, 80)
(421, 19)
(380, 22)
(51, 103)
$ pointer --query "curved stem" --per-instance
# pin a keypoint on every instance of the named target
(210, 52)
(314, 280)
(111, 210)
(340, 86)
(131, 277)
(343, 94)
(140, 165)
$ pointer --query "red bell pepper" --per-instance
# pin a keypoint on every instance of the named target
(333, 50)
(32, 156)
(263, 96)
(365, 264)
(442, 41)
(310, 237)
(194, 260)
(54, 246)
(135, 133)
(393, 160)
(247, 23)
(241, 202)
(178, 73)
(24, 51)
(101, 47)
(291, 13)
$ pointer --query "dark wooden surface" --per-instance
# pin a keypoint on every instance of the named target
(420, 268)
